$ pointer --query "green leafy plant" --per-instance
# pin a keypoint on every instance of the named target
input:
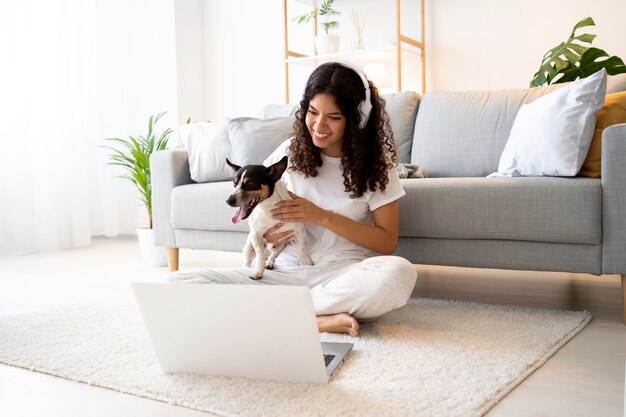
(134, 156)
(575, 58)
(324, 12)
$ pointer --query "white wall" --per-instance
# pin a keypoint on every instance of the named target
(243, 56)
(244, 49)
(190, 70)
(491, 44)
(480, 44)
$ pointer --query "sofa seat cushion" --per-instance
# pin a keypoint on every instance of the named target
(537, 209)
(203, 207)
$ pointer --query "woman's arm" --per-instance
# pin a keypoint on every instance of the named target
(381, 237)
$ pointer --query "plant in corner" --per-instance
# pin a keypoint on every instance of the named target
(325, 43)
(570, 60)
(134, 156)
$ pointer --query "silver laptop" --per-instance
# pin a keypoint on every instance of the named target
(252, 331)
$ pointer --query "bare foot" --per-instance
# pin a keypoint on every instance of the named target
(338, 323)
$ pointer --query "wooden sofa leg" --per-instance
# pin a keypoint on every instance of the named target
(624, 296)
(172, 259)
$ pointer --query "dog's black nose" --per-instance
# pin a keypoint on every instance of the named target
(231, 200)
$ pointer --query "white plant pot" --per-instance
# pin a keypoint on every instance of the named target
(326, 44)
(152, 255)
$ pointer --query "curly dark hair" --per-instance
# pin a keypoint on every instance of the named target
(368, 153)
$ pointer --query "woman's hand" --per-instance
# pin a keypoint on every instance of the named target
(298, 210)
(381, 237)
(277, 238)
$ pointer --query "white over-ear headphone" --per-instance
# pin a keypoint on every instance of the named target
(365, 108)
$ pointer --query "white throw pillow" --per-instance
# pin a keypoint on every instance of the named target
(208, 147)
(551, 135)
(253, 140)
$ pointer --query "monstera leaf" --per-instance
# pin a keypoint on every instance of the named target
(591, 62)
(573, 59)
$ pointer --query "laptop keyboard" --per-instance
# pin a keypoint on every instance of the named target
(328, 359)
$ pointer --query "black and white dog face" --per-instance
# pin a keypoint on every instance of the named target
(253, 184)
(258, 186)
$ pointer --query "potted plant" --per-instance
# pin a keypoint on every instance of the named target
(133, 154)
(325, 43)
(573, 59)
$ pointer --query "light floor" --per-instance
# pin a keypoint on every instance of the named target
(585, 378)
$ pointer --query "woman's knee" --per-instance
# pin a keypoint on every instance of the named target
(392, 282)
(395, 271)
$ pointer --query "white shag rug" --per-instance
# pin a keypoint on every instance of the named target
(429, 358)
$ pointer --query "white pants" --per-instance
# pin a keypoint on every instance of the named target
(364, 289)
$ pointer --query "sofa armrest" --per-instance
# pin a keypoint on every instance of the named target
(614, 199)
(168, 169)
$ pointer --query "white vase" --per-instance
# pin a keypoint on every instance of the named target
(152, 255)
(326, 44)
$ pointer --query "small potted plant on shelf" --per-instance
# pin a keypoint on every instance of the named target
(325, 43)
(134, 156)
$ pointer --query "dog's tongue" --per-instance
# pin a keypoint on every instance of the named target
(238, 214)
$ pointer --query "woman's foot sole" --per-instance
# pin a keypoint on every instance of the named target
(338, 323)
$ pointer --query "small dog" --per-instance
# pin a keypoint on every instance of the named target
(257, 189)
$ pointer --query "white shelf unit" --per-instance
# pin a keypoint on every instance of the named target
(406, 54)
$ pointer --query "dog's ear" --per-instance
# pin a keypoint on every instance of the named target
(276, 171)
(233, 166)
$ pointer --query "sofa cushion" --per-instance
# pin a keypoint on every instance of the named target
(613, 112)
(538, 209)
(253, 140)
(208, 147)
(551, 135)
(203, 207)
(463, 133)
(402, 110)
(616, 83)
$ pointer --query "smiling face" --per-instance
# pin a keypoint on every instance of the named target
(326, 124)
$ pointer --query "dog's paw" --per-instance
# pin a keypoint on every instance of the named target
(305, 260)
(269, 265)
(256, 275)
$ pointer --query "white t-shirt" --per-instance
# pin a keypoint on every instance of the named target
(326, 190)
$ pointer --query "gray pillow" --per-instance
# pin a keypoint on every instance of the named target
(253, 140)
(402, 109)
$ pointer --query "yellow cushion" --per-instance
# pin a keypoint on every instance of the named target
(613, 112)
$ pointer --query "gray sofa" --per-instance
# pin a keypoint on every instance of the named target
(457, 216)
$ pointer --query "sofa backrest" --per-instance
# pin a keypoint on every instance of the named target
(401, 107)
(463, 133)
(616, 83)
